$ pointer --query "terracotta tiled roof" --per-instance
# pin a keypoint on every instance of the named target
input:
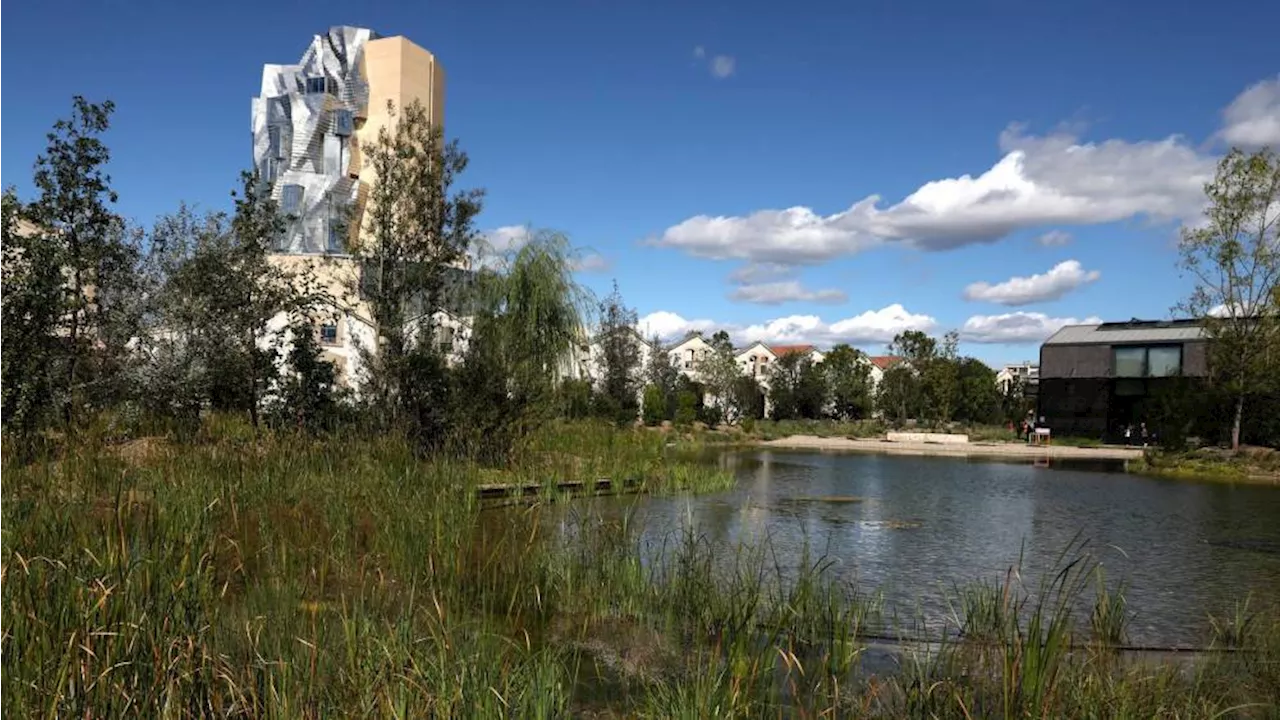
(781, 350)
(884, 362)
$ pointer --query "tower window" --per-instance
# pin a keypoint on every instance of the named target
(317, 84)
(342, 122)
(291, 198)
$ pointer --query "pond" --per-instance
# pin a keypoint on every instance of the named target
(914, 528)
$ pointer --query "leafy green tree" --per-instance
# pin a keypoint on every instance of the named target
(797, 388)
(940, 380)
(620, 367)
(899, 393)
(978, 398)
(32, 310)
(720, 342)
(720, 371)
(914, 346)
(223, 292)
(1234, 260)
(848, 376)
(306, 393)
(747, 398)
(416, 228)
(85, 240)
(934, 366)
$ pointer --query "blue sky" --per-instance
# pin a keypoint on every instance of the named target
(666, 136)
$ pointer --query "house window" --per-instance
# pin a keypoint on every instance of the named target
(342, 122)
(329, 334)
(1164, 361)
(291, 199)
(1131, 361)
(1140, 361)
(317, 84)
(444, 339)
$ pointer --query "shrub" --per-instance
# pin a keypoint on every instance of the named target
(655, 405)
(686, 408)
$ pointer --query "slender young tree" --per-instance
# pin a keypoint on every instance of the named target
(74, 230)
(1234, 259)
(720, 371)
(620, 368)
(662, 375)
(940, 380)
(416, 230)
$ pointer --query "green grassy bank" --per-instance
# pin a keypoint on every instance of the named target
(282, 576)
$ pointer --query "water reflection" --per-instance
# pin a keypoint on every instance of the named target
(924, 525)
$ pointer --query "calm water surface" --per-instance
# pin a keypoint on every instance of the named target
(925, 525)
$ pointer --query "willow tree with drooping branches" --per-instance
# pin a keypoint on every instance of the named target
(530, 315)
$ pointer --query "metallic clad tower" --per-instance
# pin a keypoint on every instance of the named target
(311, 119)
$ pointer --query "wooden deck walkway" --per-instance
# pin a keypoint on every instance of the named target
(529, 492)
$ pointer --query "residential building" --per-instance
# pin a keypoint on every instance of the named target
(1095, 380)
(587, 362)
(756, 361)
(689, 353)
(879, 364)
(1025, 375)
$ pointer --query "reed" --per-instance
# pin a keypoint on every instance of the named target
(247, 575)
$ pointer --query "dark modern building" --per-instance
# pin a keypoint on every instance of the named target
(1097, 379)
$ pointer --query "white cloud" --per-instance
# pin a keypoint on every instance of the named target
(1016, 328)
(699, 52)
(1041, 180)
(496, 244)
(775, 293)
(592, 262)
(1054, 238)
(1237, 310)
(790, 329)
(667, 325)
(871, 327)
(880, 325)
(1252, 120)
(1062, 279)
(506, 238)
(722, 66)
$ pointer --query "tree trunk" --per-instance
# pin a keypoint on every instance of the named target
(253, 381)
(1235, 425)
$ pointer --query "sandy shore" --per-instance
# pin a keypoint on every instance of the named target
(973, 449)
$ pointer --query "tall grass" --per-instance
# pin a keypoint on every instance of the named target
(279, 576)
